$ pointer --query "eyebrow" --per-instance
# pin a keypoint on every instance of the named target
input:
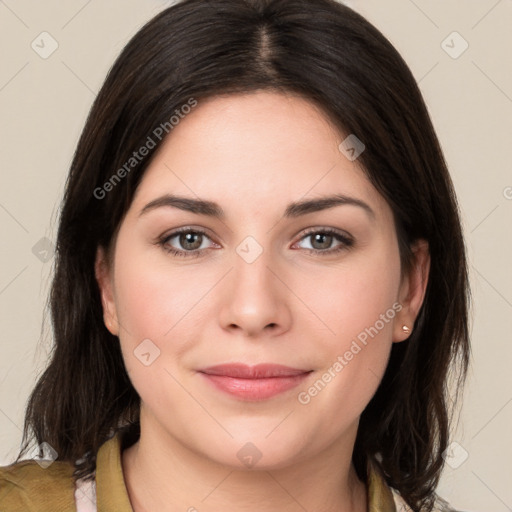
(295, 209)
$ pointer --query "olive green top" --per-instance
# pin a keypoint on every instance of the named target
(28, 487)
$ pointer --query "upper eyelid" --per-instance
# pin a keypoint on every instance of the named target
(336, 231)
(185, 229)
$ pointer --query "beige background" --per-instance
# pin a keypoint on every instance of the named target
(43, 105)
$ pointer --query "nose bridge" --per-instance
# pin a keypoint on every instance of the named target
(252, 263)
(254, 299)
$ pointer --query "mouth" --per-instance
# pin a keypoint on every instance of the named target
(254, 383)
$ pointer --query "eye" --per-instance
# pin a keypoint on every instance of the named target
(192, 242)
(322, 239)
(189, 239)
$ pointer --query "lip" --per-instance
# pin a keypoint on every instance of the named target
(259, 371)
(258, 382)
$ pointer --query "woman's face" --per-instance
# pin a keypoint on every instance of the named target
(260, 283)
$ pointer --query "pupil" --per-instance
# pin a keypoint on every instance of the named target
(321, 236)
(189, 240)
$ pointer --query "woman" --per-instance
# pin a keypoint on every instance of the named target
(261, 287)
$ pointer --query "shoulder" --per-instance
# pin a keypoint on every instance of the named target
(28, 486)
(401, 506)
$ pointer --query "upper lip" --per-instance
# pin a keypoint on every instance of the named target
(259, 371)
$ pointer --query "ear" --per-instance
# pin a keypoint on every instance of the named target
(104, 279)
(412, 290)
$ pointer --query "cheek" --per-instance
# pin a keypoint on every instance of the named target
(155, 300)
(160, 311)
(352, 297)
(359, 307)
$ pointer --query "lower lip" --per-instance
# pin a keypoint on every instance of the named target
(255, 389)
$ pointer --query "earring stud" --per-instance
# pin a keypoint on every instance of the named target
(406, 329)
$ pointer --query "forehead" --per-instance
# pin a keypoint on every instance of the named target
(261, 148)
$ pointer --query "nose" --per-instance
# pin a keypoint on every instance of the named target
(255, 298)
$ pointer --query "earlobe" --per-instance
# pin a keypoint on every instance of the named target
(104, 280)
(412, 290)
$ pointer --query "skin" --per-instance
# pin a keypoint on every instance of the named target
(253, 154)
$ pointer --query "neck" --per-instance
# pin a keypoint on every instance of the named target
(161, 473)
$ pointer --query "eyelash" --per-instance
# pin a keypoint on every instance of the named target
(347, 242)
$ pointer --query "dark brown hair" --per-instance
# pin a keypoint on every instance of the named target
(330, 55)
